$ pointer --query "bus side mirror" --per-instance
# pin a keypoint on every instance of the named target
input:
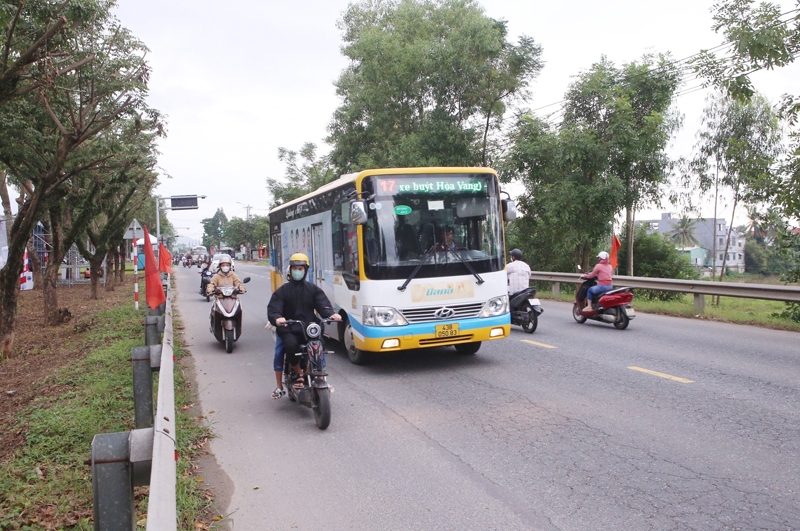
(358, 211)
(509, 210)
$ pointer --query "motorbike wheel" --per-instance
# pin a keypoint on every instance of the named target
(356, 355)
(533, 320)
(208, 297)
(468, 348)
(228, 341)
(577, 315)
(322, 407)
(622, 321)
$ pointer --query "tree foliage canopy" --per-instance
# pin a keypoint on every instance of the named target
(607, 154)
(301, 176)
(214, 229)
(427, 81)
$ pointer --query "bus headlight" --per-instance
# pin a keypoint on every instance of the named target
(382, 316)
(495, 306)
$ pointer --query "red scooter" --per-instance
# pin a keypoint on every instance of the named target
(614, 306)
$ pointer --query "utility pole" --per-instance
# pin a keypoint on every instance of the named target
(247, 210)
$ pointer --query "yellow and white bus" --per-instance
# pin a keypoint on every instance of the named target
(410, 257)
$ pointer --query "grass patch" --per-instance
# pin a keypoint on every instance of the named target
(45, 483)
(756, 312)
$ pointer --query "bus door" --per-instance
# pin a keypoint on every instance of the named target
(316, 253)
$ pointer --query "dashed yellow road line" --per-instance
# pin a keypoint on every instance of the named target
(662, 375)
(537, 344)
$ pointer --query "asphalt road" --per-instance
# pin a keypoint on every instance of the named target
(672, 424)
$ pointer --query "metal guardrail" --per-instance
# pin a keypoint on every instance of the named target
(145, 455)
(697, 287)
(162, 505)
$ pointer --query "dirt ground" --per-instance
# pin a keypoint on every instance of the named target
(40, 350)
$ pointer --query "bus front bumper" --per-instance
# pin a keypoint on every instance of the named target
(388, 339)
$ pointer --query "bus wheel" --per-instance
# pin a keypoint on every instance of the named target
(356, 355)
(468, 348)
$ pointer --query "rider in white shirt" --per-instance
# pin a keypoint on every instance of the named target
(519, 273)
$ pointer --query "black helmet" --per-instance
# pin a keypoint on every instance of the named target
(516, 254)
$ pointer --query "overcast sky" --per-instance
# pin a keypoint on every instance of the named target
(239, 79)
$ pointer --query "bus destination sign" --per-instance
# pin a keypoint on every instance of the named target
(429, 184)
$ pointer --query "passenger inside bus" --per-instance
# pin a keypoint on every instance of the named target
(406, 240)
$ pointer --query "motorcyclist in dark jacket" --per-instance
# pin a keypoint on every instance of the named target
(297, 299)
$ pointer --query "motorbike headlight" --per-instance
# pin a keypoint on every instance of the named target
(382, 316)
(313, 330)
(495, 306)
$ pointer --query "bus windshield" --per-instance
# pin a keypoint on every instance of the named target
(438, 221)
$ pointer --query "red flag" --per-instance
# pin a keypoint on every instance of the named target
(615, 245)
(164, 259)
(154, 293)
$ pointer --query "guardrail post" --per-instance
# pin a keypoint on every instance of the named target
(112, 483)
(120, 461)
(153, 327)
(142, 387)
(141, 455)
(155, 358)
(699, 302)
(556, 290)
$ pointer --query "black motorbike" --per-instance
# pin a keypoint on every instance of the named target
(525, 309)
(315, 393)
(205, 278)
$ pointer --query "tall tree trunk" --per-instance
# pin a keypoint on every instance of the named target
(9, 291)
(53, 315)
(119, 264)
(35, 264)
(21, 231)
(715, 299)
(485, 137)
(629, 232)
(110, 273)
(728, 239)
(6, 201)
(96, 268)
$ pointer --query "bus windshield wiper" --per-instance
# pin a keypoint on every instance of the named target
(471, 269)
(430, 252)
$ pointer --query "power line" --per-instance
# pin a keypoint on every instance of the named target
(684, 65)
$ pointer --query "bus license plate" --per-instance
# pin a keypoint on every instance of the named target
(447, 330)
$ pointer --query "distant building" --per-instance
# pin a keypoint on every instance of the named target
(702, 255)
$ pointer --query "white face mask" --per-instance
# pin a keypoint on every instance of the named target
(225, 269)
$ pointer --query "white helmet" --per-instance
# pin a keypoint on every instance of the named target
(224, 259)
(602, 255)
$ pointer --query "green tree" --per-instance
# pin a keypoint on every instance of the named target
(737, 149)
(261, 230)
(606, 155)
(240, 231)
(42, 134)
(683, 232)
(214, 229)
(763, 37)
(428, 82)
(33, 47)
(657, 257)
(301, 176)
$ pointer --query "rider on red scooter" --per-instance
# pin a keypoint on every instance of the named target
(603, 273)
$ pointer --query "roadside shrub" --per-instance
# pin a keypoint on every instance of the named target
(655, 256)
